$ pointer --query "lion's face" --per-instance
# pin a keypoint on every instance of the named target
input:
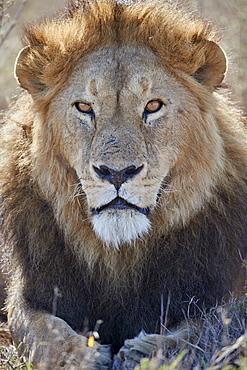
(125, 129)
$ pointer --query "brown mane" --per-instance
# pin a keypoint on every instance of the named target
(94, 24)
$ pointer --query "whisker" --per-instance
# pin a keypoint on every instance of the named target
(77, 183)
(168, 188)
(86, 219)
(78, 195)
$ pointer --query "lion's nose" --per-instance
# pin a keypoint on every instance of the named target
(117, 178)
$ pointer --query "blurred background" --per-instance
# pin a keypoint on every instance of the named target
(229, 16)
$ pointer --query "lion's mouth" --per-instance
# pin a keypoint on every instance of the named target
(120, 204)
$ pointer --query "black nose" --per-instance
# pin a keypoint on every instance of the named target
(117, 178)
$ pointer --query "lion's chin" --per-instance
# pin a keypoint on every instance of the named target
(116, 227)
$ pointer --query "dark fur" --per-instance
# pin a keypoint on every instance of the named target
(201, 261)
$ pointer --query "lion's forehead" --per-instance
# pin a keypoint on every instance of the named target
(117, 72)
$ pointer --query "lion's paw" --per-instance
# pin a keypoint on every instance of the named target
(73, 353)
(79, 355)
(148, 345)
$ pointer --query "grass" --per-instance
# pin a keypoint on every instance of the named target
(217, 341)
(228, 358)
(11, 360)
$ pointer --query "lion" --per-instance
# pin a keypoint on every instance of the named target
(123, 179)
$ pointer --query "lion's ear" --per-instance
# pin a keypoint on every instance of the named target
(28, 70)
(213, 64)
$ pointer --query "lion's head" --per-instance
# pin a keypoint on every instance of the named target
(126, 113)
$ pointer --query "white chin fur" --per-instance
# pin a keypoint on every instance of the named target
(118, 227)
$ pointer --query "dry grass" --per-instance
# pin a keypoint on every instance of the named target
(217, 341)
(10, 360)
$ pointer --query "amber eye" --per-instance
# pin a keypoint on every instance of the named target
(83, 107)
(153, 106)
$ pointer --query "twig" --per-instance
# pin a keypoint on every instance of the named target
(167, 308)
(9, 364)
(182, 340)
(161, 314)
(57, 295)
(164, 320)
(1, 13)
(13, 22)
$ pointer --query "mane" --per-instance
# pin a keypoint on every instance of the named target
(88, 25)
(50, 186)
